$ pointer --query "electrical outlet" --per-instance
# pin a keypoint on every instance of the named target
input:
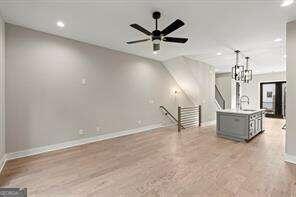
(139, 121)
(151, 101)
(83, 81)
(98, 129)
(81, 132)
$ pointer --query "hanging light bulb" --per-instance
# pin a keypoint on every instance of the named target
(247, 72)
(237, 71)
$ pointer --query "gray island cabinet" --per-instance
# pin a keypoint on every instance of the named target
(239, 125)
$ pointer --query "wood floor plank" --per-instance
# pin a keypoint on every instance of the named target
(161, 163)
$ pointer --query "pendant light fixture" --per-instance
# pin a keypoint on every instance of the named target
(237, 70)
(248, 75)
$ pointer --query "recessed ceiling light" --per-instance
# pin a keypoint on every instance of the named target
(278, 40)
(155, 52)
(60, 24)
(219, 53)
(287, 3)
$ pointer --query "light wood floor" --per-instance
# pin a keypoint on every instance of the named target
(161, 163)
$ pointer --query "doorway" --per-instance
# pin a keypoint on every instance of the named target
(273, 98)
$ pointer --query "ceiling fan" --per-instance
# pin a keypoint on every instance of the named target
(157, 36)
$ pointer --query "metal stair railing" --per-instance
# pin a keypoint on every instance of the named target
(189, 117)
(167, 113)
(219, 98)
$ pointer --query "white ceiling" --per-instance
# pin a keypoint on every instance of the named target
(211, 26)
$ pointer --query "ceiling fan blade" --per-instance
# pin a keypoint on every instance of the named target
(172, 39)
(136, 41)
(172, 27)
(141, 29)
(156, 47)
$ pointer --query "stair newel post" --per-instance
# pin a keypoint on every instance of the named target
(199, 115)
(179, 119)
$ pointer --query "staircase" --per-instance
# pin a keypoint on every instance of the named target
(167, 113)
(220, 101)
(187, 116)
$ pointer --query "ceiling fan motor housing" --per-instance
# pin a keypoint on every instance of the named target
(156, 35)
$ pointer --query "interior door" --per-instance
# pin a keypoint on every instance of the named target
(268, 95)
(284, 93)
(272, 98)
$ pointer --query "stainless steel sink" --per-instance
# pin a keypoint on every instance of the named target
(249, 110)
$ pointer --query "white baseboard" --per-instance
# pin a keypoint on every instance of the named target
(2, 162)
(44, 149)
(205, 124)
(169, 125)
(290, 158)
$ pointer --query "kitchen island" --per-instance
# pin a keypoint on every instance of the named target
(239, 125)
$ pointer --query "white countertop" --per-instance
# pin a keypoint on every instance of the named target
(237, 111)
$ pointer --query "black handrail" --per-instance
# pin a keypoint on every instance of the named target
(168, 113)
(220, 96)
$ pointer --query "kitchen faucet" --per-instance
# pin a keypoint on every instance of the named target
(241, 101)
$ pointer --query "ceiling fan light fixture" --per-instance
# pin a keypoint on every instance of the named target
(156, 41)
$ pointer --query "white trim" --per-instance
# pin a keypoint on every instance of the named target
(2, 162)
(209, 123)
(169, 125)
(44, 149)
(290, 158)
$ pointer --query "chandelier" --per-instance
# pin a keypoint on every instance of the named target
(237, 70)
(248, 75)
(241, 73)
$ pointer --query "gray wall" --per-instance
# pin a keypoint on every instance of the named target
(2, 88)
(46, 102)
(197, 80)
(291, 89)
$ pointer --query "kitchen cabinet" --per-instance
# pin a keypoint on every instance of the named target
(239, 125)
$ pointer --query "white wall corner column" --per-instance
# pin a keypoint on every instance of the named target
(291, 93)
(2, 94)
